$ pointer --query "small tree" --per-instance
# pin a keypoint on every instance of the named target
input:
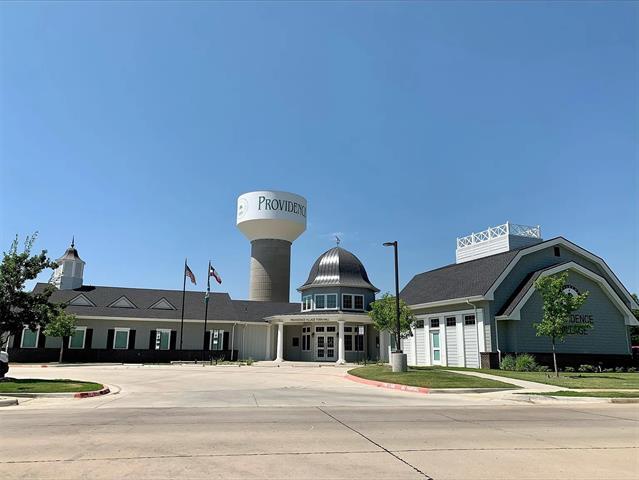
(558, 305)
(17, 306)
(62, 325)
(384, 316)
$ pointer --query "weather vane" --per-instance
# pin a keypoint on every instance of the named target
(337, 240)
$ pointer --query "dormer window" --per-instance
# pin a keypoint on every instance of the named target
(122, 302)
(307, 303)
(326, 301)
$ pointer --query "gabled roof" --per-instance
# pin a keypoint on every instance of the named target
(221, 307)
(458, 280)
(481, 277)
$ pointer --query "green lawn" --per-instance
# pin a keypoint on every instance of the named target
(609, 381)
(35, 385)
(604, 394)
(425, 377)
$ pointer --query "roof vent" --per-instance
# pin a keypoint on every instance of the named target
(502, 238)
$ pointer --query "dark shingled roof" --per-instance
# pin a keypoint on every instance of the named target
(338, 268)
(221, 307)
(458, 280)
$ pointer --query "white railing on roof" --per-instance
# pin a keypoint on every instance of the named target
(499, 231)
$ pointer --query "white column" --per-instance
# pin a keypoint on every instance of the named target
(280, 342)
(340, 342)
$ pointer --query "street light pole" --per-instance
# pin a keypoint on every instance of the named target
(397, 314)
(398, 348)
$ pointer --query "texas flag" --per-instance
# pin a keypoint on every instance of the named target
(214, 274)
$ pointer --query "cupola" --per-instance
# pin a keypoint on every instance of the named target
(338, 268)
(68, 275)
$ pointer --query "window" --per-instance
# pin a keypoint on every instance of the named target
(434, 323)
(451, 322)
(296, 341)
(325, 301)
(330, 329)
(331, 301)
(319, 329)
(347, 302)
(348, 329)
(121, 339)
(359, 343)
(352, 302)
(469, 320)
(307, 303)
(348, 343)
(217, 339)
(29, 338)
(306, 338)
(557, 252)
(77, 339)
(419, 324)
(162, 339)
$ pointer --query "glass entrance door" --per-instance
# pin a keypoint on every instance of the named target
(436, 354)
(325, 347)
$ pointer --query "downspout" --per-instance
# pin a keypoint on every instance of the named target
(497, 340)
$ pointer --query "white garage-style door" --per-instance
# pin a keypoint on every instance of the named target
(452, 352)
(471, 343)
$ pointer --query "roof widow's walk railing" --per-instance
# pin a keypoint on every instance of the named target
(499, 231)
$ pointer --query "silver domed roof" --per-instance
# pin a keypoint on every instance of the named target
(338, 268)
(70, 254)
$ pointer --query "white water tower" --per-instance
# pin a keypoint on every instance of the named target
(271, 220)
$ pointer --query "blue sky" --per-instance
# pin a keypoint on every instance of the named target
(134, 127)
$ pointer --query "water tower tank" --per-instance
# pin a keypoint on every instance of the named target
(271, 220)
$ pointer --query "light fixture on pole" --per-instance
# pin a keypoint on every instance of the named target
(398, 358)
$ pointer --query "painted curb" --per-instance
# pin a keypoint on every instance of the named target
(8, 402)
(390, 386)
(95, 393)
(549, 399)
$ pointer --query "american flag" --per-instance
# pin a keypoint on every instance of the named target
(189, 273)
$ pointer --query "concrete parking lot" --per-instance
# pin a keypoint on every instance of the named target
(265, 422)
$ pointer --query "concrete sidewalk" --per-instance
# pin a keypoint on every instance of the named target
(525, 384)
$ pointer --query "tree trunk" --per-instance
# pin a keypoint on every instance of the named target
(61, 350)
(554, 358)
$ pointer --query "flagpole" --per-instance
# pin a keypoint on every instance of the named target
(183, 295)
(206, 308)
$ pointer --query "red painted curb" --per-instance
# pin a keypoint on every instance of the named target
(97, 393)
(390, 386)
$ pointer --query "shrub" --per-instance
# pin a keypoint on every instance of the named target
(632, 370)
(586, 368)
(507, 363)
(249, 361)
(608, 370)
(542, 368)
(620, 370)
(525, 363)
(569, 369)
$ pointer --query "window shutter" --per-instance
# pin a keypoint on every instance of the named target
(207, 340)
(131, 339)
(88, 339)
(41, 339)
(226, 343)
(152, 336)
(173, 340)
(16, 341)
(110, 334)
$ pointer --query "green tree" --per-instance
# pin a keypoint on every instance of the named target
(558, 305)
(384, 316)
(17, 306)
(63, 326)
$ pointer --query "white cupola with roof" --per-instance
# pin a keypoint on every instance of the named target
(68, 275)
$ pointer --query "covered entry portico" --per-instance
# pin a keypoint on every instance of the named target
(338, 337)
